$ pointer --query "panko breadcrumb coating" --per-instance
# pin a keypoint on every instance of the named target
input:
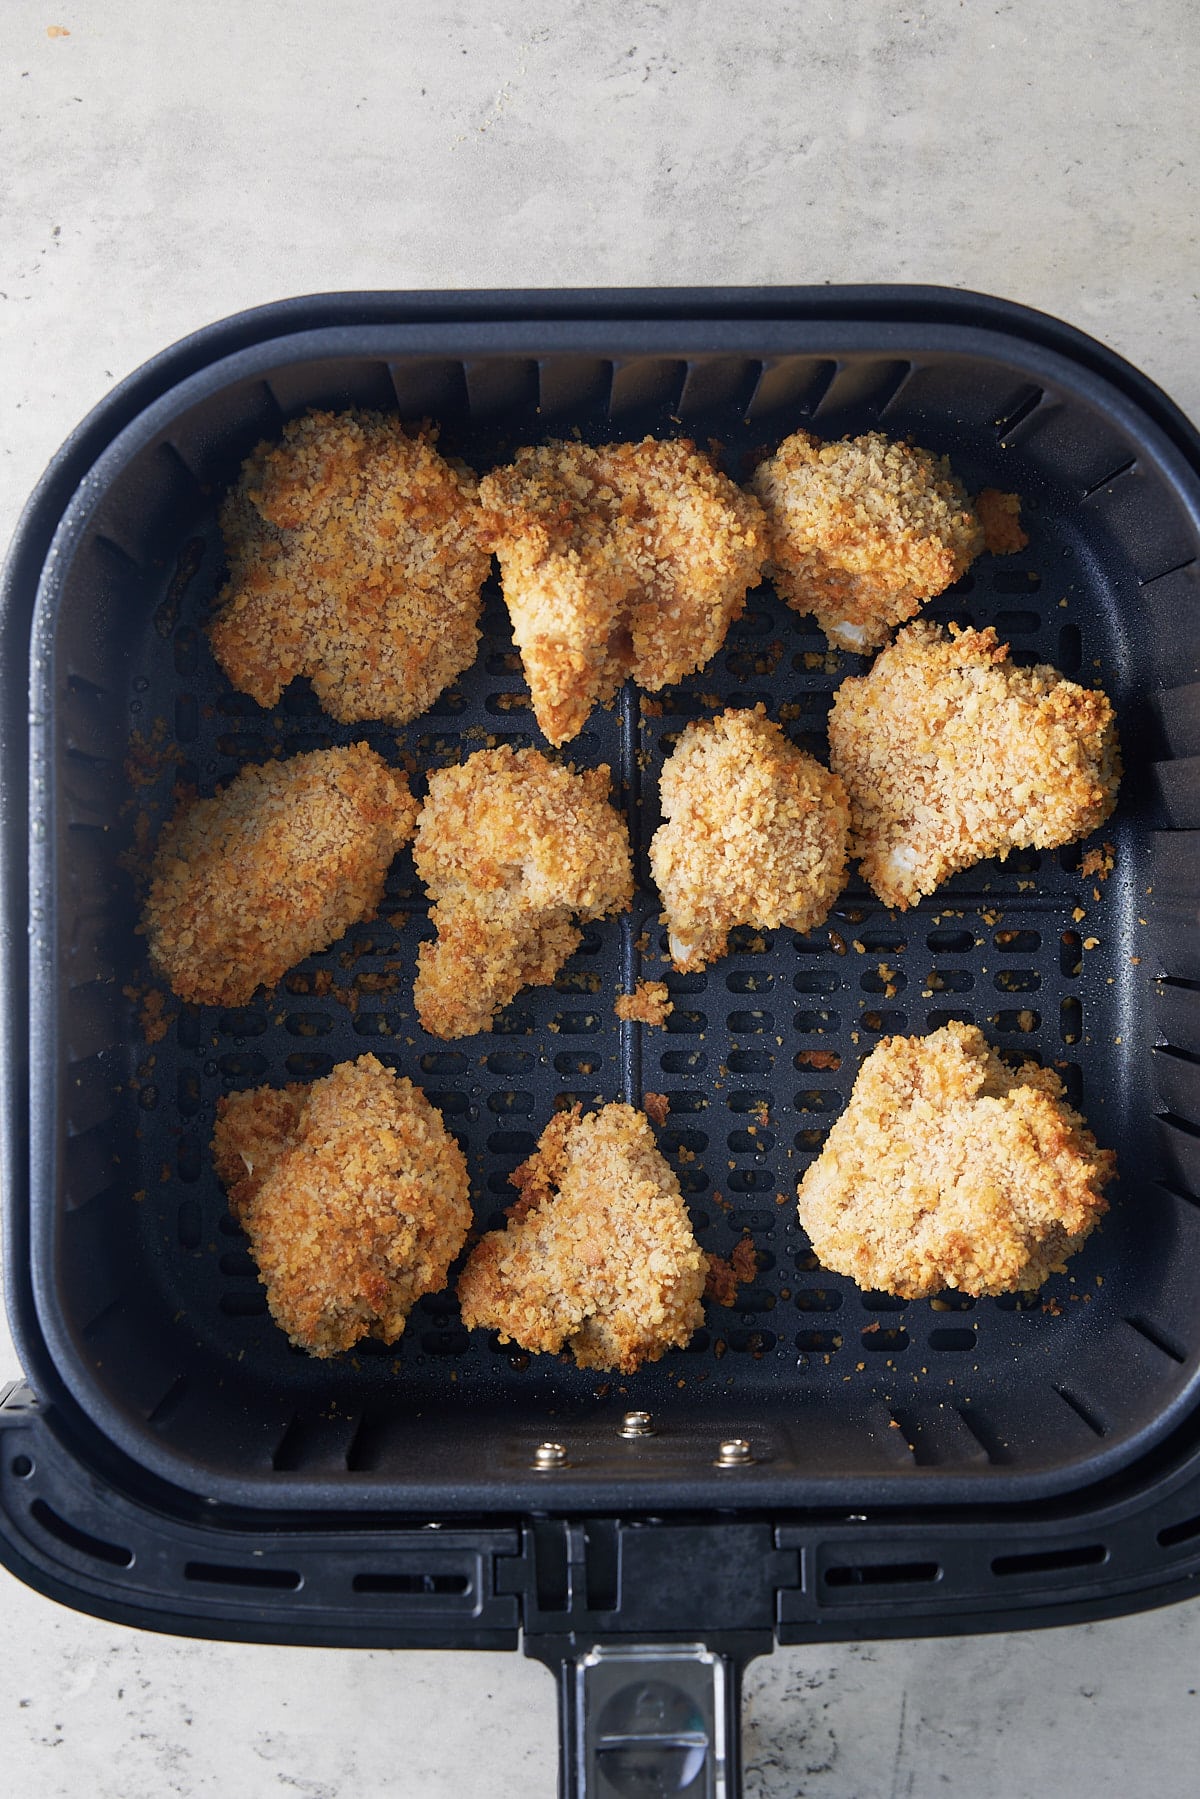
(863, 532)
(273, 868)
(355, 558)
(623, 559)
(649, 1003)
(514, 850)
(599, 1255)
(755, 835)
(354, 1197)
(950, 754)
(947, 1169)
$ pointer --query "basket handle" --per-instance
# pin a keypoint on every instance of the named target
(644, 1720)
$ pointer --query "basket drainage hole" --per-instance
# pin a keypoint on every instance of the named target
(1048, 1561)
(81, 1541)
(22, 1466)
(872, 1574)
(222, 1574)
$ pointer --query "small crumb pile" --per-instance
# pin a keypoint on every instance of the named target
(355, 557)
(1000, 520)
(863, 532)
(514, 850)
(947, 1169)
(354, 1196)
(617, 560)
(273, 868)
(649, 1003)
(599, 1254)
(755, 835)
(950, 754)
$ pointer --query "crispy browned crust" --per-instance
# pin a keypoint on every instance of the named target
(947, 1169)
(514, 849)
(355, 558)
(950, 754)
(755, 835)
(863, 532)
(624, 559)
(273, 868)
(354, 1197)
(599, 1255)
(649, 1003)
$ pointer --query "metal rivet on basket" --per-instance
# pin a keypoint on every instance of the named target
(636, 1424)
(734, 1453)
(550, 1455)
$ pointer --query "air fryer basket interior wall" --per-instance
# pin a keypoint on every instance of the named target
(145, 1294)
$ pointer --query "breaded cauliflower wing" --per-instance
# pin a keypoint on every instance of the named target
(355, 558)
(755, 835)
(949, 754)
(599, 1256)
(617, 560)
(354, 1196)
(274, 867)
(947, 1169)
(514, 850)
(863, 532)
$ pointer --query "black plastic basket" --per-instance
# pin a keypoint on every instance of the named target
(910, 1467)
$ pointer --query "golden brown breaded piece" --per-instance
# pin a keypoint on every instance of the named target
(513, 849)
(863, 532)
(948, 1170)
(756, 835)
(355, 558)
(626, 559)
(949, 754)
(599, 1255)
(274, 867)
(354, 1197)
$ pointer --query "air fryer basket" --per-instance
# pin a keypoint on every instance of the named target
(138, 1309)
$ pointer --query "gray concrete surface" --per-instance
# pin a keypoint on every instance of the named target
(163, 165)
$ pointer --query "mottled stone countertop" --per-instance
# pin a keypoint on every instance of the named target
(161, 166)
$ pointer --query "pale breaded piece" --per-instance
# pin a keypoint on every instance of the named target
(625, 559)
(514, 849)
(355, 558)
(354, 1196)
(755, 835)
(950, 754)
(274, 867)
(863, 532)
(599, 1256)
(948, 1170)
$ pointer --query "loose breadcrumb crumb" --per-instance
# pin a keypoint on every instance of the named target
(1099, 862)
(354, 1196)
(617, 560)
(863, 532)
(950, 754)
(649, 1003)
(755, 835)
(725, 1277)
(1000, 516)
(514, 849)
(947, 1169)
(657, 1106)
(273, 868)
(355, 558)
(599, 1254)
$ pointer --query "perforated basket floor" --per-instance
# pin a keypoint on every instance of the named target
(145, 1288)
